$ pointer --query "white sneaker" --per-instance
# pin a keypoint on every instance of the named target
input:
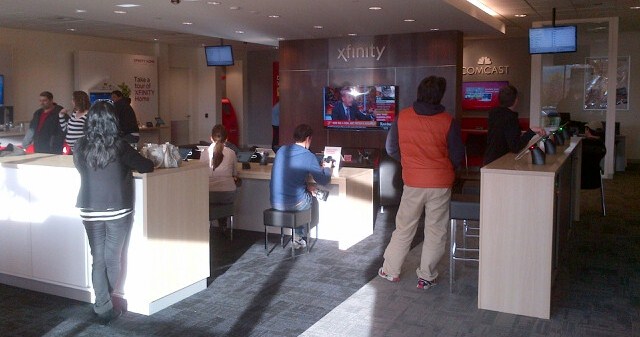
(299, 243)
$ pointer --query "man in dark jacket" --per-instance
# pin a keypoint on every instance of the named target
(45, 130)
(504, 133)
(593, 150)
(129, 129)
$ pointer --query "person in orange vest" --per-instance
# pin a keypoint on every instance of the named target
(427, 141)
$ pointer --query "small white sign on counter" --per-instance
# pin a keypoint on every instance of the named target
(333, 153)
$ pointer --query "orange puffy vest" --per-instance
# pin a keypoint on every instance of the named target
(424, 150)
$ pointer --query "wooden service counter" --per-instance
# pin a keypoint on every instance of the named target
(347, 216)
(43, 245)
(526, 212)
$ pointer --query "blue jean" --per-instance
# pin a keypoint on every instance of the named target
(305, 203)
(106, 239)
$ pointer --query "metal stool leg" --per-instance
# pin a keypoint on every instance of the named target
(604, 209)
(293, 238)
(452, 254)
(231, 226)
(265, 238)
(308, 238)
(465, 228)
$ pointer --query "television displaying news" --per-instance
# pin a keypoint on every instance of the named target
(360, 107)
(481, 95)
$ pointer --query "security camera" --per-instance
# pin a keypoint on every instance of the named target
(175, 2)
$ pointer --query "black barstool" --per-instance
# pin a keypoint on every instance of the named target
(287, 219)
(219, 211)
(464, 207)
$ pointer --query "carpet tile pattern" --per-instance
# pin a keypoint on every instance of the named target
(330, 292)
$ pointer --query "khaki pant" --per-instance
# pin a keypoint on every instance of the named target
(435, 202)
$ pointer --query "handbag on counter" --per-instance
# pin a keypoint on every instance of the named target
(164, 155)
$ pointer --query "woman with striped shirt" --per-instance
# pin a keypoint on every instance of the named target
(106, 199)
(74, 126)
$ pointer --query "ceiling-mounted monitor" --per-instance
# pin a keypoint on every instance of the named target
(550, 40)
(221, 55)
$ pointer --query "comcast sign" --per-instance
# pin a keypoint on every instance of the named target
(485, 66)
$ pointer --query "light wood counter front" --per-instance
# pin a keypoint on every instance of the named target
(525, 215)
(347, 216)
(43, 245)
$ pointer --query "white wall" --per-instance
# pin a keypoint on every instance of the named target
(34, 61)
(42, 61)
(630, 119)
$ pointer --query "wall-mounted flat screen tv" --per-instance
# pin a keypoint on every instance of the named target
(360, 106)
(219, 55)
(549, 40)
(481, 95)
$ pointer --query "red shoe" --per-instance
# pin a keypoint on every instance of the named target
(388, 277)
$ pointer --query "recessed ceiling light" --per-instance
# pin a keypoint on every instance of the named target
(234, 8)
(375, 8)
(81, 10)
(71, 29)
(352, 34)
(155, 39)
(213, 2)
(317, 27)
(280, 38)
(274, 16)
(187, 23)
(434, 29)
(409, 20)
(520, 15)
(239, 31)
(634, 7)
(128, 5)
(120, 12)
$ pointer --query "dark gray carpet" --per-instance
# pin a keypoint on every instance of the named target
(597, 291)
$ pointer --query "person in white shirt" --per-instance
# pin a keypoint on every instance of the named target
(223, 173)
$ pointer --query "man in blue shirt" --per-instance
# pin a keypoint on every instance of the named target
(290, 190)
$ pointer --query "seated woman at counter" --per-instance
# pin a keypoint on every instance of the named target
(74, 126)
(504, 133)
(105, 161)
(223, 174)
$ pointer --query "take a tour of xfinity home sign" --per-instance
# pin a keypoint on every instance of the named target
(351, 52)
(485, 67)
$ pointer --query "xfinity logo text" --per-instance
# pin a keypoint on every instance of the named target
(352, 52)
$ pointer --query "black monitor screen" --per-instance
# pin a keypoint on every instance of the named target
(99, 96)
(219, 55)
(547, 40)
